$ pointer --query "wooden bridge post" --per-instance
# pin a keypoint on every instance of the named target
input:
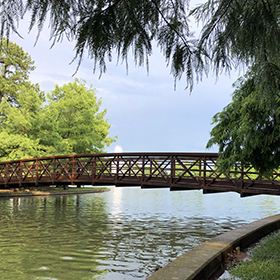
(20, 174)
(151, 166)
(6, 175)
(200, 163)
(118, 167)
(37, 172)
(129, 167)
(143, 169)
(73, 171)
(172, 173)
(53, 173)
(242, 178)
(93, 169)
(204, 170)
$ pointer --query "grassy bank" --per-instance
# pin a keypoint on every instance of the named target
(264, 263)
(39, 191)
(61, 188)
(54, 188)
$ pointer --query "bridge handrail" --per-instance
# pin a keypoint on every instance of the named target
(114, 154)
(161, 169)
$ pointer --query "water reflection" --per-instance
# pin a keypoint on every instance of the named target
(122, 234)
(51, 238)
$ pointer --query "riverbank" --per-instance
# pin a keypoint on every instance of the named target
(47, 191)
(206, 261)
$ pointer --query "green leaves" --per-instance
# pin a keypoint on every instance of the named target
(126, 26)
(68, 121)
(78, 122)
(247, 131)
(245, 32)
(239, 31)
(15, 66)
(17, 146)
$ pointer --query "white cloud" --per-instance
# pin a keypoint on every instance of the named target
(118, 149)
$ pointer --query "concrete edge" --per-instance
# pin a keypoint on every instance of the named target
(46, 193)
(206, 260)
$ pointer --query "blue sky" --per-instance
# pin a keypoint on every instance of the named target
(143, 109)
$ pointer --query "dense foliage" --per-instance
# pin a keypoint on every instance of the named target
(15, 66)
(248, 129)
(100, 27)
(77, 119)
(248, 32)
(66, 121)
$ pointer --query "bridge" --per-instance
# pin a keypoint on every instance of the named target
(177, 171)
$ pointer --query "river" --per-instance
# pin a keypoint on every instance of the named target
(126, 233)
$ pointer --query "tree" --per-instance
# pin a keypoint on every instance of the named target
(69, 121)
(15, 66)
(19, 133)
(247, 131)
(21, 106)
(245, 33)
(77, 120)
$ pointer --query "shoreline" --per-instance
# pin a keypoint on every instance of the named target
(8, 193)
(206, 261)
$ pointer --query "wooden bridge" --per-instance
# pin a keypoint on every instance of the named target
(177, 171)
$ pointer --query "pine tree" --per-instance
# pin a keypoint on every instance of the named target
(15, 66)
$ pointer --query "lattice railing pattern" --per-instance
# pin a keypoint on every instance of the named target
(177, 171)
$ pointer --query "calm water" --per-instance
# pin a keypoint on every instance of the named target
(123, 234)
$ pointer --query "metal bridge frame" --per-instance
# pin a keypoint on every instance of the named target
(177, 171)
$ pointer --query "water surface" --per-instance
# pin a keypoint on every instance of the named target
(123, 234)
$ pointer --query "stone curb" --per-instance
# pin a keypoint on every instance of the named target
(206, 260)
(46, 193)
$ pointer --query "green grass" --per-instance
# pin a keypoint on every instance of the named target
(74, 188)
(264, 263)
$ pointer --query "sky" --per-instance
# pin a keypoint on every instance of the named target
(144, 110)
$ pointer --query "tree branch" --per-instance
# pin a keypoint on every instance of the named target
(171, 27)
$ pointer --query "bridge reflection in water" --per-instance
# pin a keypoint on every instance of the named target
(177, 171)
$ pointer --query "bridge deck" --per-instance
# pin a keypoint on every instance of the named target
(177, 171)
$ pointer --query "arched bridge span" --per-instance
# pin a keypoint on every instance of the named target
(177, 171)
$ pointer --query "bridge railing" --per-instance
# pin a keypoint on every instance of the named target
(173, 170)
